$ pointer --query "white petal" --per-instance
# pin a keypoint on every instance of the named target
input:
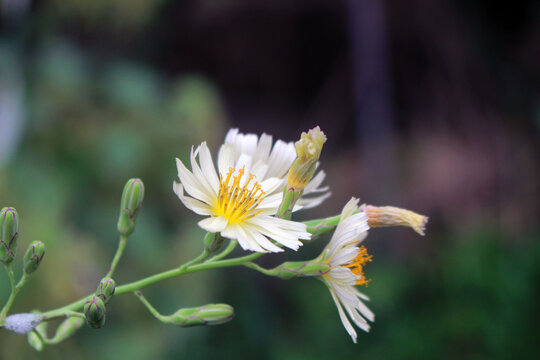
(344, 320)
(191, 184)
(262, 240)
(199, 175)
(271, 184)
(358, 320)
(231, 135)
(263, 148)
(207, 166)
(311, 202)
(226, 159)
(213, 224)
(194, 205)
(234, 231)
(281, 159)
(315, 182)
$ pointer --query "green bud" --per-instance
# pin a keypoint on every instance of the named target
(105, 290)
(67, 328)
(291, 269)
(35, 341)
(212, 314)
(33, 256)
(132, 198)
(9, 227)
(94, 311)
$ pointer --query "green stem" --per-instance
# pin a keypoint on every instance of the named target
(320, 226)
(150, 280)
(227, 251)
(149, 306)
(260, 269)
(118, 255)
(15, 288)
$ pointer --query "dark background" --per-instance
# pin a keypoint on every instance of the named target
(428, 105)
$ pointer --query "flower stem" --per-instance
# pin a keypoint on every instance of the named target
(260, 269)
(227, 251)
(118, 255)
(150, 280)
(149, 306)
(15, 288)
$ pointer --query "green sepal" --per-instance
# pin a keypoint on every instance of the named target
(130, 203)
(290, 197)
(94, 312)
(213, 243)
(33, 256)
(9, 233)
(292, 269)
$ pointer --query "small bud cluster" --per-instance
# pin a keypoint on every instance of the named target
(95, 308)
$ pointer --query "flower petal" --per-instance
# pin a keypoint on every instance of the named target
(194, 205)
(213, 224)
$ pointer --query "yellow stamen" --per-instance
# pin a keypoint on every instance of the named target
(358, 263)
(238, 203)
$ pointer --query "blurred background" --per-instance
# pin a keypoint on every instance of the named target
(427, 105)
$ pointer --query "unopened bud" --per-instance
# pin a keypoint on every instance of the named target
(9, 227)
(291, 269)
(379, 216)
(33, 256)
(67, 328)
(94, 311)
(105, 290)
(308, 150)
(35, 341)
(132, 198)
(212, 314)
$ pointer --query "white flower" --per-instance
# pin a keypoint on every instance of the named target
(267, 161)
(236, 202)
(346, 260)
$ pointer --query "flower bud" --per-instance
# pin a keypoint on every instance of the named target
(132, 198)
(94, 311)
(105, 290)
(379, 216)
(33, 256)
(212, 314)
(67, 328)
(308, 150)
(35, 341)
(9, 227)
(291, 269)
